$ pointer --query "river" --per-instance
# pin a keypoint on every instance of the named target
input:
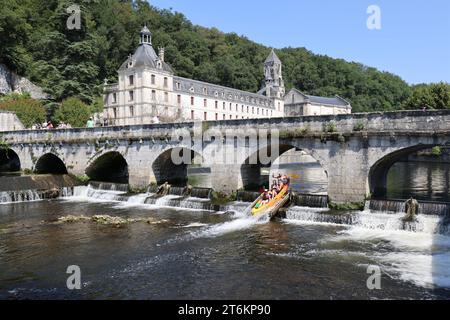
(182, 253)
(207, 255)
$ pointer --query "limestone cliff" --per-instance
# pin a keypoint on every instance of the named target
(11, 82)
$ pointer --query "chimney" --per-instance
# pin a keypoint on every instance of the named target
(161, 53)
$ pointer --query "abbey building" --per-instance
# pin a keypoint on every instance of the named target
(148, 92)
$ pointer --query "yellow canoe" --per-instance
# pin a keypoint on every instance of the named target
(273, 204)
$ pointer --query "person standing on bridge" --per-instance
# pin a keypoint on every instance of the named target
(90, 123)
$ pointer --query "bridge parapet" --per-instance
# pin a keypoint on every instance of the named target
(372, 123)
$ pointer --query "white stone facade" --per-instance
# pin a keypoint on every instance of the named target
(300, 104)
(149, 92)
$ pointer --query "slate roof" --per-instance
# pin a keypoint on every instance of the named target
(197, 87)
(323, 100)
(145, 56)
(334, 101)
(273, 58)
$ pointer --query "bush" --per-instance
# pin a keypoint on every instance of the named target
(436, 151)
(330, 127)
(73, 111)
(28, 110)
(359, 126)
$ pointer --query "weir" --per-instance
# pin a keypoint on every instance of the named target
(425, 207)
(297, 199)
(109, 186)
(371, 219)
(34, 195)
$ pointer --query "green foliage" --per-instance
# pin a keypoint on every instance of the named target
(28, 110)
(97, 105)
(347, 206)
(4, 145)
(220, 198)
(431, 96)
(359, 126)
(80, 179)
(436, 151)
(330, 127)
(74, 112)
(73, 63)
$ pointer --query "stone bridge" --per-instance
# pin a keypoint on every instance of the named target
(356, 151)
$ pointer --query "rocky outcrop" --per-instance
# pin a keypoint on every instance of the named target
(11, 82)
(109, 220)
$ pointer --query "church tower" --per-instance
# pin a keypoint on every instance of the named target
(273, 76)
(146, 36)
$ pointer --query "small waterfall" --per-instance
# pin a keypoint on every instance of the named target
(19, 196)
(34, 195)
(90, 194)
(319, 215)
(86, 193)
(370, 219)
(425, 207)
(176, 191)
(309, 200)
(180, 202)
(109, 186)
(203, 193)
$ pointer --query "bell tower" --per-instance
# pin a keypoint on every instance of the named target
(146, 36)
(274, 76)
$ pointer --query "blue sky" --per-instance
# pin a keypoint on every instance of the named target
(414, 40)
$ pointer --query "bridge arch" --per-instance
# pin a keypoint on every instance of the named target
(378, 174)
(49, 163)
(165, 169)
(251, 176)
(109, 167)
(9, 161)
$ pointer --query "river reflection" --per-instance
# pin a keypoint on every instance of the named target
(421, 180)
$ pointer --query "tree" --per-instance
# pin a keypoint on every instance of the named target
(28, 110)
(73, 111)
(432, 96)
(74, 63)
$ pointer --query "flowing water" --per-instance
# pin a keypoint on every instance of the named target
(190, 252)
(196, 254)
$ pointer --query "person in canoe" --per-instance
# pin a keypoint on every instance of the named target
(265, 198)
(278, 191)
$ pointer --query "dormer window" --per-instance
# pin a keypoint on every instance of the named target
(130, 64)
(205, 91)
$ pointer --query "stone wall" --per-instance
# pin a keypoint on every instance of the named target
(351, 158)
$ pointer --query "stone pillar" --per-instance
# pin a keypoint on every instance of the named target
(226, 178)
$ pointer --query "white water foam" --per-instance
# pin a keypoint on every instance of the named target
(419, 257)
(239, 224)
(89, 194)
(419, 254)
(195, 225)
